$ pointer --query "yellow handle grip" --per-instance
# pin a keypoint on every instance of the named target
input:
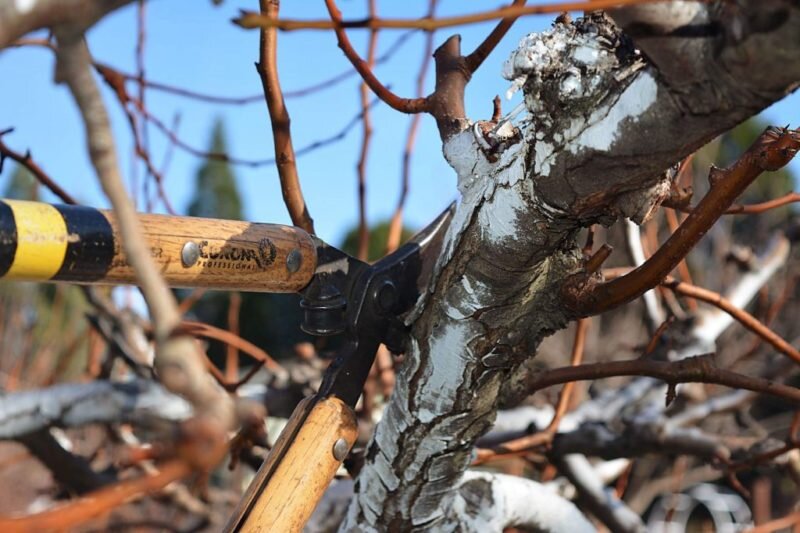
(299, 468)
(43, 242)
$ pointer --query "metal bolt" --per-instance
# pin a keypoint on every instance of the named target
(293, 260)
(340, 449)
(190, 253)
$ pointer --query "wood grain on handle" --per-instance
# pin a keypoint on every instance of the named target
(298, 470)
(42, 242)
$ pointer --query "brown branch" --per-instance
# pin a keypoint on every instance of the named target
(221, 156)
(771, 151)
(27, 161)
(747, 209)
(267, 68)
(698, 369)
(211, 332)
(683, 267)
(238, 100)
(405, 105)
(116, 83)
(483, 50)
(743, 317)
(177, 363)
(98, 503)
(576, 359)
(231, 352)
(252, 20)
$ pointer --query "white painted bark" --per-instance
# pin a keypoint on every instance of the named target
(78, 404)
(494, 502)
(494, 304)
(602, 127)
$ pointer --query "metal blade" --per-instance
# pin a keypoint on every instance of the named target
(425, 247)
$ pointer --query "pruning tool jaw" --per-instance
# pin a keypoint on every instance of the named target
(368, 303)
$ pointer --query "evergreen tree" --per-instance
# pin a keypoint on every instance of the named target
(216, 194)
(378, 237)
(22, 186)
(271, 321)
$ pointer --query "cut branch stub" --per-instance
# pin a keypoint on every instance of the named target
(446, 104)
(771, 151)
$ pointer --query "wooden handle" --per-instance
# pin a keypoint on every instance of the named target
(42, 242)
(299, 468)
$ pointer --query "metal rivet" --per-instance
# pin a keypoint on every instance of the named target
(190, 253)
(340, 449)
(293, 260)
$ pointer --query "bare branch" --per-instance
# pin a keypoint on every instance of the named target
(254, 20)
(771, 151)
(179, 366)
(267, 68)
(27, 161)
(405, 105)
(79, 404)
(696, 369)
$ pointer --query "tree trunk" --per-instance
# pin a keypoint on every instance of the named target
(604, 125)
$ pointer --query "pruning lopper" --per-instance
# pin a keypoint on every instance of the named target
(367, 304)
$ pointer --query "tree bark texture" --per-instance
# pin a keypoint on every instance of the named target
(607, 116)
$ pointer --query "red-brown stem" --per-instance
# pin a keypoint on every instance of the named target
(255, 20)
(597, 259)
(576, 359)
(476, 58)
(405, 105)
(743, 317)
(267, 68)
(41, 176)
(700, 369)
(752, 209)
(683, 268)
(653, 343)
(208, 331)
(771, 151)
(231, 351)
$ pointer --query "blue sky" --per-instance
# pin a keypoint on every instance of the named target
(200, 48)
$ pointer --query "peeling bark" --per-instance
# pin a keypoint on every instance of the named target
(603, 125)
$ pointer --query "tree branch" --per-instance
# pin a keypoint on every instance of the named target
(179, 366)
(254, 20)
(267, 68)
(404, 105)
(494, 502)
(696, 369)
(27, 161)
(742, 316)
(771, 151)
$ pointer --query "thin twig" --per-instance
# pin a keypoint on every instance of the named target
(772, 150)
(27, 161)
(267, 68)
(252, 20)
(405, 105)
(747, 209)
(177, 363)
(742, 316)
(483, 50)
(327, 83)
(698, 369)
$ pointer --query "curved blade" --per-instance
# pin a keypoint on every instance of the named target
(422, 251)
